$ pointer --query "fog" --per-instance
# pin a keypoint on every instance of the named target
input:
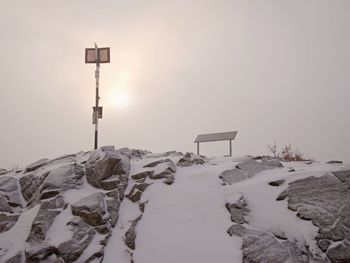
(272, 70)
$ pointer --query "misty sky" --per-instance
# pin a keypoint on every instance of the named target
(272, 70)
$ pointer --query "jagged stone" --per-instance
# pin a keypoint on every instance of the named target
(30, 185)
(103, 164)
(9, 188)
(252, 167)
(142, 176)
(71, 250)
(34, 166)
(130, 235)
(232, 176)
(136, 191)
(265, 248)
(7, 221)
(4, 205)
(91, 209)
(277, 182)
(190, 159)
(326, 201)
(323, 244)
(113, 205)
(238, 210)
(283, 195)
(37, 247)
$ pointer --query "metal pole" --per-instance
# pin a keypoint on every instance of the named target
(230, 147)
(97, 76)
(197, 148)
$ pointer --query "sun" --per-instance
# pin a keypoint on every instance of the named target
(120, 99)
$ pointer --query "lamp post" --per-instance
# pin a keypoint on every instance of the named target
(97, 55)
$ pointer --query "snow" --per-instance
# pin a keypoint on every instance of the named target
(14, 239)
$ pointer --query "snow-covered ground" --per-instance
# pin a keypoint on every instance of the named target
(188, 221)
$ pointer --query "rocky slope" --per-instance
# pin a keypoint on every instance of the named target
(127, 205)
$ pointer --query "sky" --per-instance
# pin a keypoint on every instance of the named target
(273, 70)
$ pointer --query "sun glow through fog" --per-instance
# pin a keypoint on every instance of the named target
(119, 95)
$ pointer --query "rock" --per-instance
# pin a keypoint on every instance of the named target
(325, 201)
(171, 164)
(279, 234)
(265, 248)
(237, 230)
(4, 205)
(167, 170)
(190, 159)
(104, 163)
(277, 182)
(91, 209)
(113, 210)
(9, 189)
(37, 247)
(136, 192)
(30, 185)
(343, 176)
(141, 177)
(232, 176)
(65, 177)
(34, 166)
(334, 162)
(18, 258)
(71, 250)
(130, 235)
(7, 221)
(142, 206)
(252, 167)
(324, 244)
(291, 170)
(238, 210)
(3, 171)
(283, 195)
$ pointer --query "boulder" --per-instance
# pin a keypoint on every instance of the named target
(130, 235)
(37, 247)
(238, 210)
(325, 201)
(104, 163)
(30, 185)
(9, 189)
(65, 177)
(190, 159)
(91, 209)
(232, 176)
(252, 167)
(71, 250)
(34, 166)
(141, 177)
(277, 182)
(7, 221)
(136, 192)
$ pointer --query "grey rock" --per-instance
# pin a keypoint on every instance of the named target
(265, 248)
(237, 230)
(34, 166)
(279, 234)
(9, 188)
(91, 209)
(30, 185)
(238, 210)
(4, 205)
(252, 167)
(232, 176)
(141, 177)
(3, 171)
(334, 162)
(7, 221)
(130, 235)
(277, 182)
(283, 195)
(324, 244)
(113, 205)
(18, 258)
(190, 159)
(37, 247)
(71, 250)
(136, 191)
(343, 176)
(326, 202)
(103, 164)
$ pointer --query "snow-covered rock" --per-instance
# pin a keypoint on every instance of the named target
(72, 209)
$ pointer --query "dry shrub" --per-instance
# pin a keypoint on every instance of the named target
(287, 153)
